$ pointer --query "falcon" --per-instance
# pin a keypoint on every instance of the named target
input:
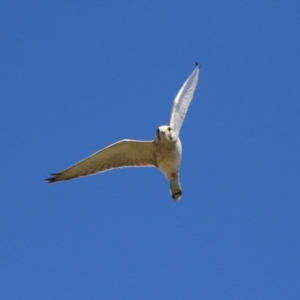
(164, 152)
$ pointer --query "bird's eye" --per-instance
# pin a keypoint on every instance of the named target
(157, 134)
(169, 128)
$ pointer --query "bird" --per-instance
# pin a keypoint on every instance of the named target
(164, 152)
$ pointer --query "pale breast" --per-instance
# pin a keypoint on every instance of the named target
(168, 159)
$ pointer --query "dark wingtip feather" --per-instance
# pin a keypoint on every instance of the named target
(52, 179)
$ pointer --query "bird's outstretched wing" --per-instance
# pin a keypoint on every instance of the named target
(125, 153)
(183, 100)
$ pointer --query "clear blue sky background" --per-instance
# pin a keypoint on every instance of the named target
(79, 75)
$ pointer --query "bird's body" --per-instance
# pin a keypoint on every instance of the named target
(168, 157)
(164, 152)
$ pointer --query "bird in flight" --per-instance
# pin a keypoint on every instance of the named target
(164, 152)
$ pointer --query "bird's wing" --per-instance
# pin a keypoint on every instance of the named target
(183, 100)
(125, 153)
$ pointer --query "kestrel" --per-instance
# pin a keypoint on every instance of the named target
(164, 152)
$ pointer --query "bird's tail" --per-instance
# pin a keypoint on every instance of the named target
(175, 188)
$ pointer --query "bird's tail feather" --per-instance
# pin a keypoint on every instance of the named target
(175, 188)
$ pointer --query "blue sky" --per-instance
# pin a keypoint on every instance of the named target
(79, 75)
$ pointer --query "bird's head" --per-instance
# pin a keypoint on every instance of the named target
(166, 134)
